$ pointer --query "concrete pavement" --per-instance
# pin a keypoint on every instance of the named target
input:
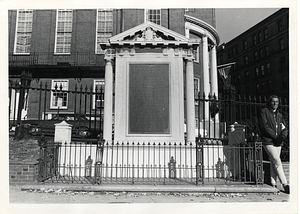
(47, 198)
(62, 196)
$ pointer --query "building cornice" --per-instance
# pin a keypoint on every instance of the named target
(203, 25)
(149, 34)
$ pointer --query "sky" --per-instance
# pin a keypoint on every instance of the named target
(231, 22)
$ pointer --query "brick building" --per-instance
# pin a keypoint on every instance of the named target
(261, 57)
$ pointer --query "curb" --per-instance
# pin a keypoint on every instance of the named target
(151, 188)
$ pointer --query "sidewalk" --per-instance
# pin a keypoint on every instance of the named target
(142, 199)
(154, 188)
(108, 193)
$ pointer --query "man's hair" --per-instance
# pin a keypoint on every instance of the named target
(270, 99)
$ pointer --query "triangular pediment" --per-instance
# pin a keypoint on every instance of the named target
(148, 32)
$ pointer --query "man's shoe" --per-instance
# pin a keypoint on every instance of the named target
(286, 189)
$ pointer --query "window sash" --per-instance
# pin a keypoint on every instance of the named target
(196, 54)
(98, 99)
(246, 60)
(63, 31)
(266, 33)
(256, 72)
(254, 40)
(23, 31)
(104, 27)
(196, 88)
(268, 68)
(255, 55)
(267, 50)
(260, 36)
(153, 15)
(262, 69)
(59, 97)
(245, 45)
(281, 43)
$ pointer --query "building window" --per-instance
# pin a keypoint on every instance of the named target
(23, 32)
(189, 9)
(196, 87)
(284, 82)
(196, 54)
(263, 87)
(255, 55)
(257, 88)
(267, 50)
(260, 38)
(246, 60)
(59, 97)
(261, 53)
(63, 31)
(266, 33)
(280, 25)
(245, 45)
(268, 68)
(153, 15)
(99, 94)
(262, 70)
(257, 72)
(254, 39)
(269, 86)
(281, 44)
(104, 27)
(282, 62)
(247, 76)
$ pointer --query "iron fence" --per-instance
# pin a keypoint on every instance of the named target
(219, 162)
(149, 162)
(74, 162)
(32, 106)
(96, 162)
(215, 114)
(211, 159)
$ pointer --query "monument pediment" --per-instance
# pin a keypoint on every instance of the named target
(148, 31)
(149, 34)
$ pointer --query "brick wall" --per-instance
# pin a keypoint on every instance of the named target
(22, 172)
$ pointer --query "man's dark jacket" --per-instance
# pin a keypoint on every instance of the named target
(270, 127)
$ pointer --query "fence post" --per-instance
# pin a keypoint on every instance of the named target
(24, 85)
(199, 162)
(63, 132)
(236, 139)
(42, 174)
(259, 177)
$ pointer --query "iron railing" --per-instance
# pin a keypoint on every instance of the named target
(149, 162)
(219, 162)
(32, 105)
(214, 114)
(46, 58)
(75, 162)
(211, 159)
(96, 162)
